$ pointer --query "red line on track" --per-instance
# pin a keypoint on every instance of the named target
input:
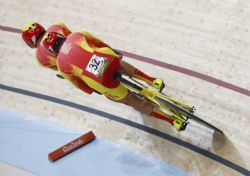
(10, 29)
(189, 72)
(168, 66)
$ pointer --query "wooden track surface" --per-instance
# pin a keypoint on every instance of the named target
(207, 36)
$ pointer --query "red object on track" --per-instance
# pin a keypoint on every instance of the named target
(71, 146)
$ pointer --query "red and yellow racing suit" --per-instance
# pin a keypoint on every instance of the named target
(44, 57)
(47, 59)
(85, 57)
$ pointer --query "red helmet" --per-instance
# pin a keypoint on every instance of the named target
(53, 42)
(31, 33)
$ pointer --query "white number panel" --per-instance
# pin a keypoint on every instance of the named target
(97, 65)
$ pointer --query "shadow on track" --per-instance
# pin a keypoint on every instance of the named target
(221, 157)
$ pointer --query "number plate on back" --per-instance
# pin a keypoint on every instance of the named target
(97, 65)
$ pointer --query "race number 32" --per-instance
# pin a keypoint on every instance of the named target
(97, 65)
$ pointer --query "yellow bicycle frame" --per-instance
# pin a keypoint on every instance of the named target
(156, 97)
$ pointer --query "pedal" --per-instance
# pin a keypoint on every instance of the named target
(180, 125)
(183, 127)
(162, 87)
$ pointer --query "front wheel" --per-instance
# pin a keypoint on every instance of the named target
(187, 114)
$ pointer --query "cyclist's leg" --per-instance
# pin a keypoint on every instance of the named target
(131, 71)
(146, 107)
(178, 124)
(123, 95)
(138, 103)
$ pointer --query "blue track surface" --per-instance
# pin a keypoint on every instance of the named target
(25, 143)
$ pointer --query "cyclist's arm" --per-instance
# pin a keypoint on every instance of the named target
(77, 82)
(45, 60)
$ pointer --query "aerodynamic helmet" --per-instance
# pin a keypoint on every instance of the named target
(31, 33)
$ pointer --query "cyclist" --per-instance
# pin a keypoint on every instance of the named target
(91, 65)
(32, 34)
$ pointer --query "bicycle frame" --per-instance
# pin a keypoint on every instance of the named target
(175, 108)
(157, 98)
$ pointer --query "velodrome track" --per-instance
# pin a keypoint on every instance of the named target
(209, 45)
